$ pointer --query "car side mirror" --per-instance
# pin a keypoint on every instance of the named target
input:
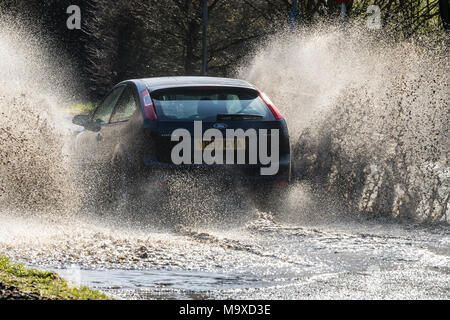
(80, 119)
(85, 121)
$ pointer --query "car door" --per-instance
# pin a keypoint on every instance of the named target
(123, 129)
(95, 146)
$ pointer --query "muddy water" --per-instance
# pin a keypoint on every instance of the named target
(368, 116)
(262, 258)
(334, 238)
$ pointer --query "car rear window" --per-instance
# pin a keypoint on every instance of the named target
(205, 103)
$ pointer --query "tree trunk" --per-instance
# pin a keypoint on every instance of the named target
(191, 45)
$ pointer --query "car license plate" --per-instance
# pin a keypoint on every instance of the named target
(220, 144)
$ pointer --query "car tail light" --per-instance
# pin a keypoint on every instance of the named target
(282, 184)
(149, 107)
(271, 106)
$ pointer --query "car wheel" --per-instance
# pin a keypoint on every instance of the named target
(271, 198)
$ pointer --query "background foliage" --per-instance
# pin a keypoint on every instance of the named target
(137, 38)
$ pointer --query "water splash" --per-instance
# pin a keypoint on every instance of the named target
(35, 172)
(368, 118)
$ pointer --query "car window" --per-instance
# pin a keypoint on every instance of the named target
(104, 111)
(125, 107)
(199, 103)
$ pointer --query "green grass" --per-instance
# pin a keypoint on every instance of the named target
(48, 285)
(82, 108)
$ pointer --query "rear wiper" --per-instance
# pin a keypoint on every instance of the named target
(238, 116)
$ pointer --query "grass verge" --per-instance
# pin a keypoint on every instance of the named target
(81, 108)
(45, 285)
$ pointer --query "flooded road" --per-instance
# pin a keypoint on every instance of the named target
(260, 259)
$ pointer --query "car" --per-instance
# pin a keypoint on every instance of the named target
(136, 132)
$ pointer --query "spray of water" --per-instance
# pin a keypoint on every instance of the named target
(368, 118)
(52, 212)
(34, 172)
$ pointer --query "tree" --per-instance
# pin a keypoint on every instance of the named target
(142, 38)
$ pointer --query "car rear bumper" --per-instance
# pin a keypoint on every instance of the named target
(245, 172)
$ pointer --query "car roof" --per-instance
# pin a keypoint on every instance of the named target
(173, 82)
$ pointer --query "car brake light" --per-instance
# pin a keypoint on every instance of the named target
(282, 184)
(149, 107)
(271, 106)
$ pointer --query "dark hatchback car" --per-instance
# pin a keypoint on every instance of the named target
(131, 130)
